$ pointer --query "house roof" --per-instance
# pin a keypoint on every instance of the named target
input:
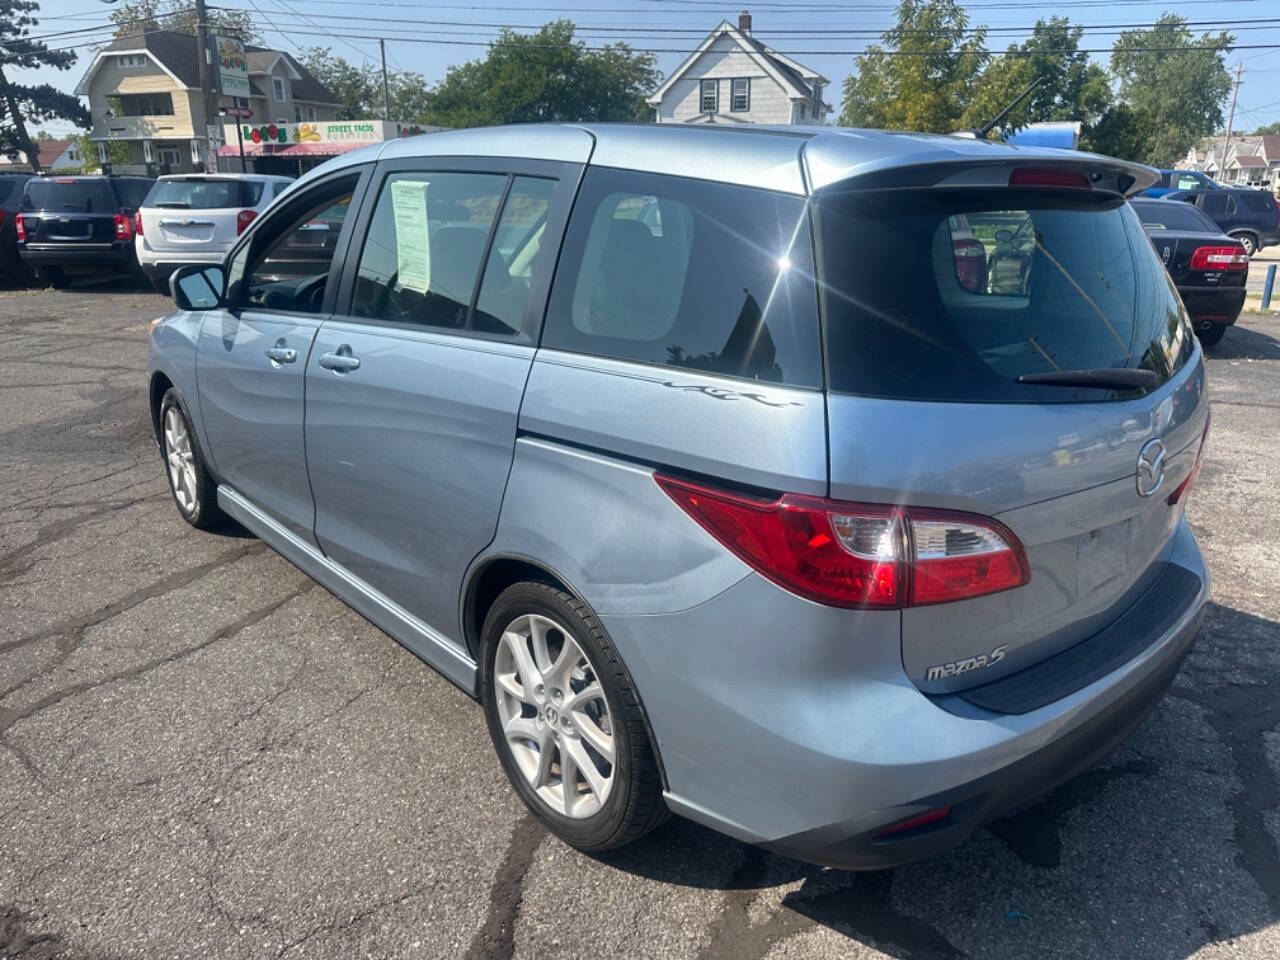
(789, 74)
(1250, 160)
(49, 151)
(177, 56)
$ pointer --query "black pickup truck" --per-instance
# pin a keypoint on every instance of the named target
(75, 225)
(1208, 267)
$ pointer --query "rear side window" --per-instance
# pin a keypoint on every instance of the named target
(1214, 203)
(1171, 215)
(686, 273)
(69, 195)
(1257, 202)
(952, 296)
(7, 187)
(203, 194)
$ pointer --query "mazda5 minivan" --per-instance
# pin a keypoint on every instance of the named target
(712, 466)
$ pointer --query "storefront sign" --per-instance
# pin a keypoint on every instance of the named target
(231, 66)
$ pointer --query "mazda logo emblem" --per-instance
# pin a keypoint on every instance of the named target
(1150, 467)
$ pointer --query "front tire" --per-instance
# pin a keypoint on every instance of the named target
(193, 489)
(566, 721)
(1210, 336)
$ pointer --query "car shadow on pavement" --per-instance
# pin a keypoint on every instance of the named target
(1245, 343)
(1046, 856)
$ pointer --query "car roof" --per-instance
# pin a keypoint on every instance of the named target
(223, 176)
(797, 159)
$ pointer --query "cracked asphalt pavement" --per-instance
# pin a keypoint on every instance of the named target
(203, 754)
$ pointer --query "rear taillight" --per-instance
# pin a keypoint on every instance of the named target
(243, 219)
(21, 228)
(124, 227)
(1049, 177)
(856, 554)
(137, 223)
(1219, 258)
(1185, 485)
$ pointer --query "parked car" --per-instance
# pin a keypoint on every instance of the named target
(196, 218)
(71, 226)
(1251, 216)
(1171, 180)
(1208, 267)
(11, 265)
(844, 581)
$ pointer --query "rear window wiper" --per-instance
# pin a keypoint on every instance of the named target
(179, 204)
(1122, 378)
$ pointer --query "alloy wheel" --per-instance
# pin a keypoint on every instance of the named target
(554, 716)
(177, 453)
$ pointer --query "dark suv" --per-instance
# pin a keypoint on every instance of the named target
(11, 266)
(1251, 216)
(79, 225)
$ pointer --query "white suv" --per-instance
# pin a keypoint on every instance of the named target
(196, 217)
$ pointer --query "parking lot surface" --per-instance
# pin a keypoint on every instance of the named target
(204, 754)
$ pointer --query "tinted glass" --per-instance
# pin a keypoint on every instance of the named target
(1257, 202)
(7, 188)
(952, 296)
(688, 273)
(425, 246)
(133, 192)
(1213, 203)
(203, 194)
(516, 252)
(69, 195)
(1170, 215)
(291, 272)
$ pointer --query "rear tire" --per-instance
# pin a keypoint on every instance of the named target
(580, 708)
(194, 492)
(56, 277)
(1250, 243)
(160, 282)
(1211, 336)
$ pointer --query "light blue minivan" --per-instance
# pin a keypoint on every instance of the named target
(825, 487)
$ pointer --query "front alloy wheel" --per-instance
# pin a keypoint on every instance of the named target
(193, 488)
(566, 720)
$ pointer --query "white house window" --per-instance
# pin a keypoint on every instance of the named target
(741, 95)
(132, 60)
(802, 111)
(169, 155)
(277, 85)
(311, 113)
(297, 113)
(710, 96)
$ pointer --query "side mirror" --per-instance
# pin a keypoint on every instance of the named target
(1004, 236)
(199, 287)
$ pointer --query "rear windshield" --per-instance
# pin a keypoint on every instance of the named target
(939, 295)
(68, 195)
(204, 194)
(1171, 215)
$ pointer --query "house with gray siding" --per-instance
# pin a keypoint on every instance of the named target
(733, 77)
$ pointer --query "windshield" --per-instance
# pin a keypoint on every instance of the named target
(69, 195)
(1172, 215)
(941, 295)
(204, 194)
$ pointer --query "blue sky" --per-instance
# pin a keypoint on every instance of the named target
(821, 31)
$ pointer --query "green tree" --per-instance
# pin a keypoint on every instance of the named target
(1268, 128)
(1175, 85)
(1070, 87)
(359, 89)
(137, 16)
(543, 77)
(22, 103)
(924, 74)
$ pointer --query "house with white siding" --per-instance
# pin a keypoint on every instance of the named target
(735, 78)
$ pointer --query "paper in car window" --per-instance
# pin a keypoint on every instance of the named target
(413, 248)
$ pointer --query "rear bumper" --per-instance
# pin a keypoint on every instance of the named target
(792, 726)
(1209, 302)
(162, 263)
(93, 256)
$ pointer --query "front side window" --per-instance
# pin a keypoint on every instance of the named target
(934, 295)
(292, 270)
(741, 95)
(277, 85)
(688, 274)
(425, 245)
(710, 96)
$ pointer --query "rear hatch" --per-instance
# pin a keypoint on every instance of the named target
(927, 409)
(69, 210)
(182, 214)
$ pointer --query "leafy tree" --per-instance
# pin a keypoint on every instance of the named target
(359, 89)
(1070, 88)
(924, 74)
(36, 103)
(1267, 128)
(544, 76)
(137, 16)
(1174, 83)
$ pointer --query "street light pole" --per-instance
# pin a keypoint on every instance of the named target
(1231, 119)
(386, 96)
(209, 96)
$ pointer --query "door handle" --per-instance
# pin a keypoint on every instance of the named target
(281, 354)
(340, 361)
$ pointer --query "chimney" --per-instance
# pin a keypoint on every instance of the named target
(744, 21)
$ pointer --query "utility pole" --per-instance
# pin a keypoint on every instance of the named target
(386, 95)
(1231, 119)
(208, 95)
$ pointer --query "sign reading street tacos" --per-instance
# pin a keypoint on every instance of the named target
(345, 132)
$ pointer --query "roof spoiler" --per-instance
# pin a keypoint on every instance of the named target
(1040, 170)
